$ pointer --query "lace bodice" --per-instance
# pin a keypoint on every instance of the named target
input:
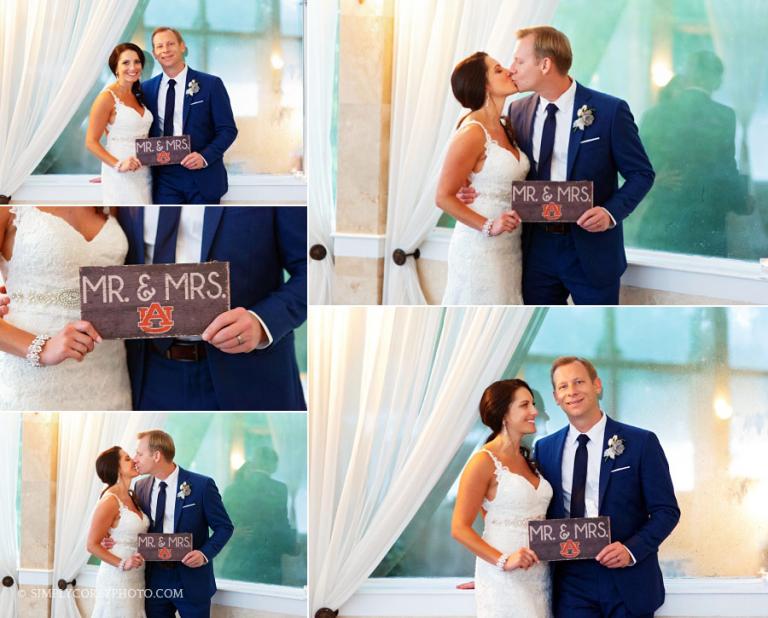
(519, 593)
(42, 279)
(126, 187)
(488, 271)
(117, 591)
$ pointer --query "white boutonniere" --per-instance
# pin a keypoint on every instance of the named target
(193, 88)
(615, 447)
(585, 117)
(184, 490)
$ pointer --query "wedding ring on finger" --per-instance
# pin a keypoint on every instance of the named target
(239, 340)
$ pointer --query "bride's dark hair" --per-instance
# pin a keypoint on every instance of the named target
(469, 82)
(115, 56)
(108, 469)
(494, 405)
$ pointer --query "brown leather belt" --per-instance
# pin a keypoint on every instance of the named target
(184, 351)
(557, 228)
(167, 565)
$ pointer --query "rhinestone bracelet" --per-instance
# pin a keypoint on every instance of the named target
(502, 561)
(121, 566)
(487, 228)
(35, 348)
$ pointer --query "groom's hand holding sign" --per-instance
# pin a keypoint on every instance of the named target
(235, 331)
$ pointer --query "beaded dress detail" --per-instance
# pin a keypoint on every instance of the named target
(519, 593)
(42, 279)
(118, 593)
(126, 187)
(488, 271)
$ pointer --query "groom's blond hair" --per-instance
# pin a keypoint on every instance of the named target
(549, 42)
(179, 38)
(159, 441)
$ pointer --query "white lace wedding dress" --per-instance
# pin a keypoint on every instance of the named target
(119, 593)
(42, 279)
(488, 271)
(126, 187)
(519, 593)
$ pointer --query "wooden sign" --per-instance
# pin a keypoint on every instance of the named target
(156, 547)
(544, 201)
(150, 301)
(578, 538)
(165, 150)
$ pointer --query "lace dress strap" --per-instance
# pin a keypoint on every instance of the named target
(119, 501)
(488, 137)
(114, 96)
(496, 461)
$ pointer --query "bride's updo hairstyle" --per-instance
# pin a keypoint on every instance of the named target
(115, 56)
(108, 466)
(494, 405)
(469, 83)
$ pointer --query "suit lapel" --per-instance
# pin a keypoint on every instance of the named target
(557, 479)
(530, 116)
(137, 232)
(183, 477)
(607, 464)
(145, 495)
(187, 100)
(581, 98)
(211, 221)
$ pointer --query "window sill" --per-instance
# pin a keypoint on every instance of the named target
(261, 189)
(439, 597)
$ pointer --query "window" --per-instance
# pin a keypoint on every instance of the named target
(255, 47)
(259, 462)
(697, 90)
(698, 378)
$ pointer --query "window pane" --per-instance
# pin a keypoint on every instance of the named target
(254, 46)
(259, 462)
(694, 377)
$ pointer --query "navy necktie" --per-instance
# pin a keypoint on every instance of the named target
(157, 523)
(579, 487)
(167, 235)
(170, 105)
(544, 166)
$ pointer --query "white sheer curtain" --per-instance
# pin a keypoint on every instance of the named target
(51, 54)
(394, 392)
(431, 36)
(82, 436)
(10, 427)
(321, 40)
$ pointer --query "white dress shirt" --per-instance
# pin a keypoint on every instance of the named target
(170, 498)
(178, 110)
(559, 170)
(594, 457)
(189, 247)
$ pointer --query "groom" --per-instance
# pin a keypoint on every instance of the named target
(179, 501)
(185, 101)
(600, 467)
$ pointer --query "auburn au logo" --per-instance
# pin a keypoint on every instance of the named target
(164, 553)
(163, 156)
(570, 549)
(156, 319)
(551, 211)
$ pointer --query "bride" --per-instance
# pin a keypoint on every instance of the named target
(500, 482)
(119, 112)
(50, 359)
(484, 257)
(121, 573)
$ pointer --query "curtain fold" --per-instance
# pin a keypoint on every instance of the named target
(431, 36)
(51, 53)
(394, 392)
(322, 39)
(10, 437)
(82, 436)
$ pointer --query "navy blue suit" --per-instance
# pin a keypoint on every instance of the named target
(208, 120)
(198, 512)
(636, 492)
(260, 243)
(586, 264)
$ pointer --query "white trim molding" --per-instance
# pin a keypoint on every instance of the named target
(711, 597)
(358, 245)
(288, 189)
(262, 597)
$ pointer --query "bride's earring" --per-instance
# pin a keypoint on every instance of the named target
(505, 432)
